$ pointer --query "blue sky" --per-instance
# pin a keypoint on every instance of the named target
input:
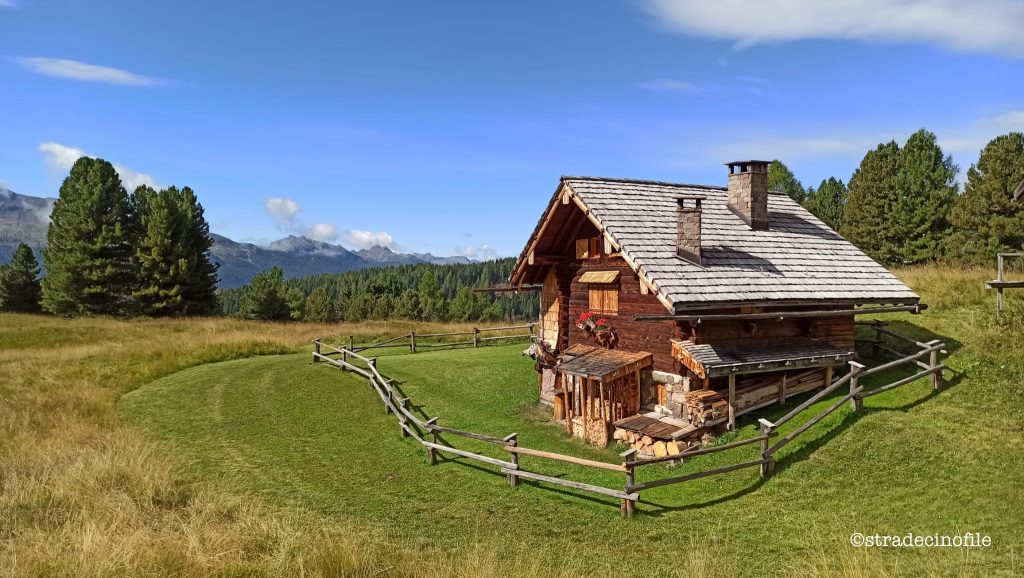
(444, 126)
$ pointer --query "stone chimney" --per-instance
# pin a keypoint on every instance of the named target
(748, 192)
(688, 227)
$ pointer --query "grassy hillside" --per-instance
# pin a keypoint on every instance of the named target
(271, 465)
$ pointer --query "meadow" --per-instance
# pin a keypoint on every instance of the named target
(199, 447)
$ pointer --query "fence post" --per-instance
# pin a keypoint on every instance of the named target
(732, 401)
(531, 329)
(766, 430)
(476, 334)
(512, 440)
(875, 351)
(352, 343)
(316, 350)
(403, 423)
(628, 507)
(431, 453)
(999, 290)
(855, 368)
(933, 361)
(412, 342)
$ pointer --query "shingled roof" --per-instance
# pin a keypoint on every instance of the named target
(798, 259)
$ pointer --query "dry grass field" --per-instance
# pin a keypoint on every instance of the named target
(85, 493)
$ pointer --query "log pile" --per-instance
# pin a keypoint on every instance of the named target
(648, 447)
(704, 405)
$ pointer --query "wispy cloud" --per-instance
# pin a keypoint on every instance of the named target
(969, 140)
(742, 84)
(8, 4)
(60, 158)
(979, 26)
(284, 213)
(670, 85)
(482, 253)
(75, 70)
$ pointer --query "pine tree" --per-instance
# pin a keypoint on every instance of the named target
(20, 290)
(408, 305)
(870, 199)
(199, 292)
(88, 257)
(160, 252)
(827, 202)
(431, 301)
(986, 218)
(781, 179)
(319, 307)
(266, 297)
(926, 190)
(172, 252)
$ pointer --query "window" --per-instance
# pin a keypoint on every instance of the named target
(604, 299)
(582, 249)
(589, 248)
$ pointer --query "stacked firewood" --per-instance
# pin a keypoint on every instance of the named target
(704, 405)
(647, 446)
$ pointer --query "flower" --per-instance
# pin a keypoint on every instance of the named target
(602, 321)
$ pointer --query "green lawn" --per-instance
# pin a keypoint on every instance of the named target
(312, 437)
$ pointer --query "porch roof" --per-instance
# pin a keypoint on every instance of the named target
(593, 362)
(754, 356)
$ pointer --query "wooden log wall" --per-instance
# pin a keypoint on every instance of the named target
(653, 337)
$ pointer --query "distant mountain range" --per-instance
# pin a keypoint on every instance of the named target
(25, 219)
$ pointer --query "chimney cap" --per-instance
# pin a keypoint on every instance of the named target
(750, 162)
(690, 197)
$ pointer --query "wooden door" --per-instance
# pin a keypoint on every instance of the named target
(549, 310)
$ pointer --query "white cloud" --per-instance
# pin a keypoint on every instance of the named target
(61, 157)
(8, 4)
(979, 26)
(75, 70)
(322, 232)
(284, 212)
(367, 239)
(482, 253)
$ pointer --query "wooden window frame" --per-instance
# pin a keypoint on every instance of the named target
(588, 248)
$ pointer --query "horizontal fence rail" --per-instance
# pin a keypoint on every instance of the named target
(414, 341)
(414, 426)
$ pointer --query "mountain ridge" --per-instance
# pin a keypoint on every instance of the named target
(24, 218)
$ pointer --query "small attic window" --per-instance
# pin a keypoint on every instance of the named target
(588, 248)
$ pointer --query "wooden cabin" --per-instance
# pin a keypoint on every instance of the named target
(668, 309)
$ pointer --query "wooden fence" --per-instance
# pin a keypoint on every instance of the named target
(417, 341)
(1000, 282)
(411, 425)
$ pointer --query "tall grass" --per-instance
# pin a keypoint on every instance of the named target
(83, 495)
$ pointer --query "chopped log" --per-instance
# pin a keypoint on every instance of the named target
(660, 450)
(646, 440)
